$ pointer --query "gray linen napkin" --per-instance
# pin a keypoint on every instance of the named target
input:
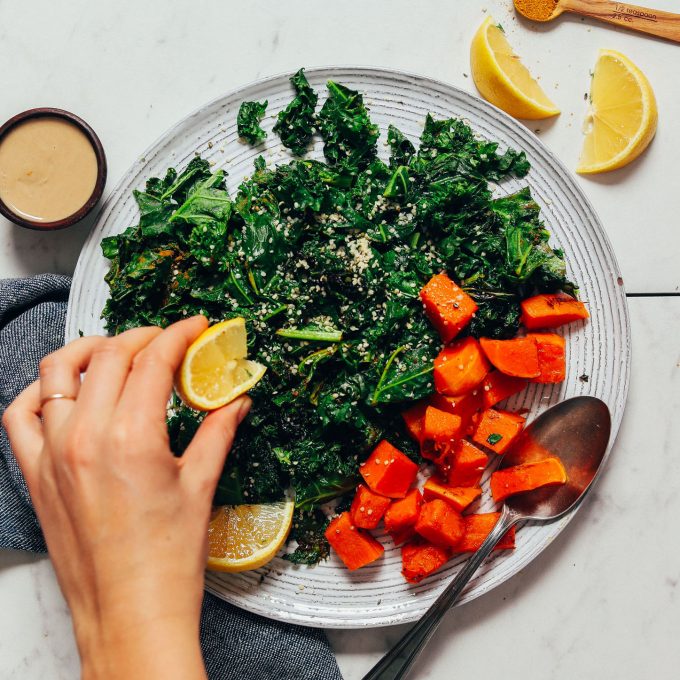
(236, 644)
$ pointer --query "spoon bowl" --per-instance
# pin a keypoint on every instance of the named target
(546, 10)
(577, 431)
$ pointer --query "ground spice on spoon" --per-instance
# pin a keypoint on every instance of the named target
(539, 10)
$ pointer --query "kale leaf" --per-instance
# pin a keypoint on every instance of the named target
(308, 531)
(295, 124)
(402, 150)
(248, 121)
(349, 136)
(477, 156)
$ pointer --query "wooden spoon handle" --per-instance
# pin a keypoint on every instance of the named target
(652, 21)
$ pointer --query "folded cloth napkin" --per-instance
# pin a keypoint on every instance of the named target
(236, 644)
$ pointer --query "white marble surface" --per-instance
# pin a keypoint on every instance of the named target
(602, 601)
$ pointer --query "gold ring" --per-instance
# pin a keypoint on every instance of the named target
(56, 395)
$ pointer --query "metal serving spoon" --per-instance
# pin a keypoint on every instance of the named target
(576, 431)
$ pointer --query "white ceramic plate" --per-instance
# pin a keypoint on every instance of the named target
(377, 595)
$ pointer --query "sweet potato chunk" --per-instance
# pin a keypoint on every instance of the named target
(497, 429)
(466, 465)
(439, 432)
(414, 419)
(420, 559)
(368, 508)
(440, 524)
(498, 386)
(388, 471)
(456, 496)
(551, 311)
(354, 547)
(527, 477)
(478, 527)
(460, 367)
(403, 513)
(403, 536)
(448, 307)
(517, 357)
(441, 426)
(552, 361)
(467, 406)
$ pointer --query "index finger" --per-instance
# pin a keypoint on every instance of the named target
(150, 381)
(22, 422)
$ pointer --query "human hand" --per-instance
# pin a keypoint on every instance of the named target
(125, 522)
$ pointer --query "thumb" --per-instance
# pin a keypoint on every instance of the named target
(204, 458)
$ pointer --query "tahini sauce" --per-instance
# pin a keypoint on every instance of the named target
(48, 169)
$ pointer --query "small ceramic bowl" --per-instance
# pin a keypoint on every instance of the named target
(101, 168)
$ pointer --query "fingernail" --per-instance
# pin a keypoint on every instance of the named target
(246, 402)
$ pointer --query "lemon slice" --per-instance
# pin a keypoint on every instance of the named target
(243, 537)
(622, 118)
(215, 370)
(502, 79)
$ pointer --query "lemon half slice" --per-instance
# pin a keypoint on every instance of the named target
(622, 118)
(502, 79)
(243, 537)
(215, 370)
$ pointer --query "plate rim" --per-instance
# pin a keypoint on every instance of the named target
(71, 331)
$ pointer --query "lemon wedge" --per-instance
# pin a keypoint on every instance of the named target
(215, 370)
(243, 537)
(502, 79)
(622, 118)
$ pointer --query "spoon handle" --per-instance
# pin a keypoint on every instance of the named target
(397, 662)
(652, 21)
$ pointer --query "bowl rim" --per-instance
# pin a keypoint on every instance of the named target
(97, 191)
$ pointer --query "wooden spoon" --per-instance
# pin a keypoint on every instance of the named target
(652, 21)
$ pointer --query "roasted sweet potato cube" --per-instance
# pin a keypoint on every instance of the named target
(368, 508)
(441, 426)
(420, 559)
(448, 307)
(460, 367)
(467, 406)
(497, 386)
(478, 527)
(517, 357)
(457, 497)
(414, 419)
(552, 361)
(403, 513)
(354, 547)
(551, 310)
(402, 536)
(527, 477)
(497, 429)
(440, 524)
(388, 471)
(466, 465)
